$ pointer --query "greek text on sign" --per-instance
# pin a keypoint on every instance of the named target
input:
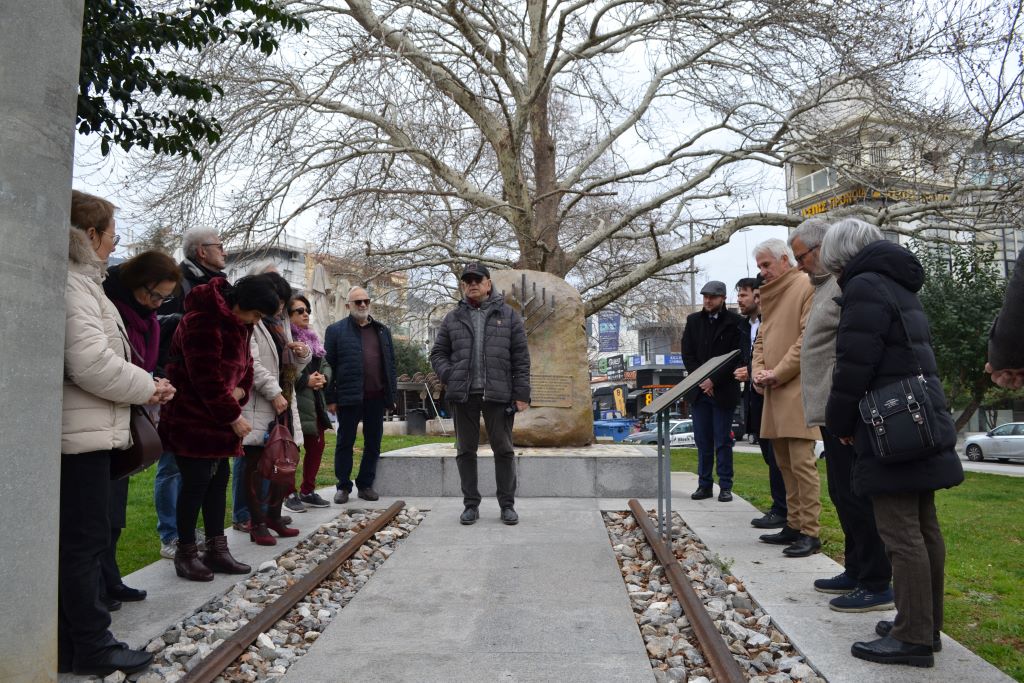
(551, 390)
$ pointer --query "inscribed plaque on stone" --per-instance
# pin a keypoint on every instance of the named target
(551, 390)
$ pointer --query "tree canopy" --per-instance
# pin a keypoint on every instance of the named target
(127, 98)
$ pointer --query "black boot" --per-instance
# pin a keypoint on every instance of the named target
(884, 628)
(187, 564)
(110, 659)
(803, 547)
(787, 536)
(218, 558)
(888, 650)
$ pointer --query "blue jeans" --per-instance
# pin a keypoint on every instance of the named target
(371, 413)
(166, 487)
(239, 498)
(712, 430)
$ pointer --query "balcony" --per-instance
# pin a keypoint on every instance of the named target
(816, 182)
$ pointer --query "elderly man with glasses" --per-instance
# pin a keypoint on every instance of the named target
(361, 354)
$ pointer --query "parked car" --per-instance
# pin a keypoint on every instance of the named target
(680, 434)
(1004, 443)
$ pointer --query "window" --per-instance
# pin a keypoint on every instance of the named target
(1018, 430)
(815, 182)
(1002, 430)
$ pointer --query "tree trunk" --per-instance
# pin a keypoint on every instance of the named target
(965, 415)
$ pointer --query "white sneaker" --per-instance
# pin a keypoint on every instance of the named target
(168, 550)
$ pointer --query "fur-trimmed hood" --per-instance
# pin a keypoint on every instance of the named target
(82, 257)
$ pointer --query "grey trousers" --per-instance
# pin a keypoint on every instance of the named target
(913, 541)
(467, 438)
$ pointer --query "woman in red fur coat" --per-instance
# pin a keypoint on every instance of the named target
(210, 364)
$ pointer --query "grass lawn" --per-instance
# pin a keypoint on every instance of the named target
(983, 523)
(981, 520)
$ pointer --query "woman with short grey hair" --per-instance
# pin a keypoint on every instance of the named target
(844, 241)
(883, 337)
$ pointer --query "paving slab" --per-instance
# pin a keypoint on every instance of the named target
(541, 601)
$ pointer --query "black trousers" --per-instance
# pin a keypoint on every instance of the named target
(204, 485)
(866, 561)
(83, 621)
(909, 526)
(467, 438)
(775, 481)
(371, 413)
(118, 507)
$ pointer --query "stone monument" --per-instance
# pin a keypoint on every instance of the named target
(560, 413)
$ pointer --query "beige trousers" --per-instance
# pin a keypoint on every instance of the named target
(796, 461)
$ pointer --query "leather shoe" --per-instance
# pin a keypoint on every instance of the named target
(701, 494)
(884, 628)
(785, 537)
(125, 594)
(187, 564)
(724, 496)
(469, 516)
(509, 516)
(771, 520)
(341, 496)
(803, 547)
(368, 494)
(112, 604)
(111, 659)
(888, 650)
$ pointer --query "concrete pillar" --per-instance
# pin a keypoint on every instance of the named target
(39, 52)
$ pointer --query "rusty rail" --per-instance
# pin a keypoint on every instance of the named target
(718, 654)
(232, 648)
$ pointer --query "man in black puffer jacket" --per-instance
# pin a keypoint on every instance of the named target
(879, 282)
(481, 356)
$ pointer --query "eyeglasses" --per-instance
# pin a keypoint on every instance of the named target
(219, 245)
(800, 257)
(114, 238)
(472, 279)
(360, 302)
(300, 311)
(156, 296)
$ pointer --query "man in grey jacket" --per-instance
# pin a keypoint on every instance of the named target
(481, 356)
(864, 584)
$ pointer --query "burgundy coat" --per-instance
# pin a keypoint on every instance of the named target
(208, 358)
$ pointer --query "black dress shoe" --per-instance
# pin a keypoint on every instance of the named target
(125, 594)
(368, 494)
(509, 516)
(111, 659)
(785, 537)
(771, 520)
(112, 604)
(469, 516)
(884, 628)
(701, 494)
(724, 496)
(888, 650)
(803, 547)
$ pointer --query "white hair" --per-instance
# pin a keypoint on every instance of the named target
(845, 240)
(811, 232)
(775, 247)
(266, 266)
(194, 238)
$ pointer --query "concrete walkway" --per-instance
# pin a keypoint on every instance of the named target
(541, 601)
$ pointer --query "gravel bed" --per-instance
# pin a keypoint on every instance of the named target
(182, 646)
(765, 655)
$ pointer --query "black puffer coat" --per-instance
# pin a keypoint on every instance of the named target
(871, 351)
(506, 355)
(343, 344)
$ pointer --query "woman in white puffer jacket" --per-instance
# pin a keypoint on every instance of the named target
(100, 385)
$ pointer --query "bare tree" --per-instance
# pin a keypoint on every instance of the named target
(587, 138)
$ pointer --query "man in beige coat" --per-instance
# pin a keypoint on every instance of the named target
(785, 305)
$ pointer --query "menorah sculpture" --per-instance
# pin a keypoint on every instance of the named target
(535, 312)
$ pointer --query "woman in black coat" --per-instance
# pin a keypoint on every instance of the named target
(879, 281)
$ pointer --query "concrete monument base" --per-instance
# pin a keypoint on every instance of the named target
(612, 470)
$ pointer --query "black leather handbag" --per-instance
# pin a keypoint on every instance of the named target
(900, 416)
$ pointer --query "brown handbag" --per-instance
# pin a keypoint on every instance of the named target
(280, 456)
(145, 450)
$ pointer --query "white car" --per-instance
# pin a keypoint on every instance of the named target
(1004, 443)
(680, 434)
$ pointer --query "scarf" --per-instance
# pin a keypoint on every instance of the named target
(310, 338)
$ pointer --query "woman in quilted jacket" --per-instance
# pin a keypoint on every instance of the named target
(100, 385)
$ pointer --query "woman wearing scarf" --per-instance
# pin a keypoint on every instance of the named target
(309, 392)
(137, 288)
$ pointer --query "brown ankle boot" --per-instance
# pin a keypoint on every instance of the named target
(187, 564)
(218, 558)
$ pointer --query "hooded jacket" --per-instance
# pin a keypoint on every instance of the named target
(209, 357)
(506, 356)
(100, 381)
(872, 350)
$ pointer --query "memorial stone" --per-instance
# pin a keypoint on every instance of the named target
(560, 413)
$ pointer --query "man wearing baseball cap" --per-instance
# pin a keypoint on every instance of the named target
(481, 355)
(710, 332)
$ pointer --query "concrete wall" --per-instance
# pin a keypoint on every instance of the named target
(39, 53)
